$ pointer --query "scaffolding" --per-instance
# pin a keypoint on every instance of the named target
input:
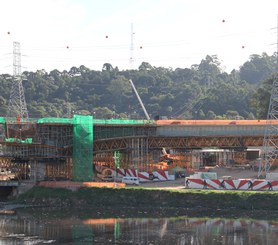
(44, 145)
(55, 140)
(60, 146)
(138, 156)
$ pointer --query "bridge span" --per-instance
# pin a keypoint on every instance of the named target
(70, 148)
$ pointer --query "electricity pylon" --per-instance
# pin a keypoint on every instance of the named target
(17, 104)
(270, 142)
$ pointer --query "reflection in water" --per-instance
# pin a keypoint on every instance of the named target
(25, 229)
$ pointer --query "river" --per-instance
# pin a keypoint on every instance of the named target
(43, 226)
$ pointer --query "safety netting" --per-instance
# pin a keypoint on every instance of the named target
(2, 120)
(82, 148)
(123, 121)
(55, 120)
(2, 128)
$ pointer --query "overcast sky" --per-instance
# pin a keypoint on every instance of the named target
(60, 34)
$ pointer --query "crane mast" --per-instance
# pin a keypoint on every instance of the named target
(140, 101)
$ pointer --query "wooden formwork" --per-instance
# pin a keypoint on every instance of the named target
(56, 170)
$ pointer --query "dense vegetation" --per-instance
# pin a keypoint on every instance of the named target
(203, 91)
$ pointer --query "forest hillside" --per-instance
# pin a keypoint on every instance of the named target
(203, 91)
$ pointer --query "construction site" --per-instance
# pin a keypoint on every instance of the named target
(84, 149)
(80, 147)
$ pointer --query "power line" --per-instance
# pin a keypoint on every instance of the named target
(131, 58)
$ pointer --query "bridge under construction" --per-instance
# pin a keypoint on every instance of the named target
(73, 148)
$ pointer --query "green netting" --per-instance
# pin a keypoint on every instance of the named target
(2, 120)
(26, 141)
(113, 132)
(122, 121)
(96, 121)
(82, 148)
(2, 127)
(55, 120)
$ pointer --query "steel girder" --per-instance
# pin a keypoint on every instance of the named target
(232, 142)
(203, 142)
(110, 145)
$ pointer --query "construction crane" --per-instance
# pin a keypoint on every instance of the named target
(140, 101)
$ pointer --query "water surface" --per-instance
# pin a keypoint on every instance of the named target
(47, 227)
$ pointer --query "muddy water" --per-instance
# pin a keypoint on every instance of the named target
(45, 227)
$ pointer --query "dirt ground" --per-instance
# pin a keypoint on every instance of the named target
(235, 172)
(175, 184)
(179, 183)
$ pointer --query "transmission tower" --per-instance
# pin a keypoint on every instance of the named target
(270, 142)
(277, 46)
(17, 104)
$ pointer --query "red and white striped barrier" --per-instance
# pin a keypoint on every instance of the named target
(159, 175)
(146, 176)
(237, 184)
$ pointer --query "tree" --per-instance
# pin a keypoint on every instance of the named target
(232, 114)
(260, 99)
(202, 91)
(208, 69)
(258, 68)
(145, 66)
(107, 67)
(211, 115)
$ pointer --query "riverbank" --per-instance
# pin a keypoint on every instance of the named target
(180, 201)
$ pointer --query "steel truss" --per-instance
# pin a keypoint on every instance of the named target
(232, 142)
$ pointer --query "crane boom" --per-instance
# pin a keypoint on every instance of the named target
(140, 101)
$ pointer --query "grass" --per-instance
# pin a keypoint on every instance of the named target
(140, 197)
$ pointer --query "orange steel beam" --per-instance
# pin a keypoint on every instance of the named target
(215, 122)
